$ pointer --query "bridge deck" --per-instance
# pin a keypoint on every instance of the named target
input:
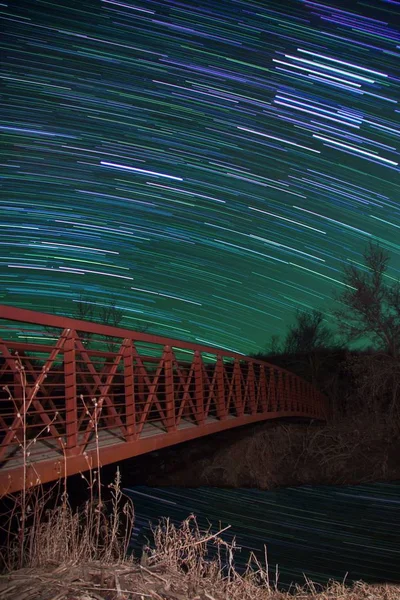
(47, 450)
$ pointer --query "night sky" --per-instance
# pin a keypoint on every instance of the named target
(210, 166)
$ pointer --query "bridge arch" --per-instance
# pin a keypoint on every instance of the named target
(68, 403)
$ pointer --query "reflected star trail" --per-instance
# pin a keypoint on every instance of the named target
(210, 167)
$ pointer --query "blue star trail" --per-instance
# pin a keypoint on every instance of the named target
(209, 167)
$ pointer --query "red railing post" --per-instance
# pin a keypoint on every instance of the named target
(251, 392)
(314, 400)
(141, 386)
(280, 392)
(237, 382)
(297, 393)
(221, 406)
(287, 398)
(186, 374)
(293, 392)
(310, 399)
(130, 409)
(272, 402)
(262, 389)
(71, 412)
(290, 396)
(169, 389)
(199, 388)
(303, 396)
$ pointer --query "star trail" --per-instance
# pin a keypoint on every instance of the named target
(208, 166)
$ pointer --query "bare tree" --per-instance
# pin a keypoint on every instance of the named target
(308, 344)
(308, 334)
(274, 347)
(111, 315)
(308, 349)
(145, 328)
(84, 311)
(371, 312)
(371, 307)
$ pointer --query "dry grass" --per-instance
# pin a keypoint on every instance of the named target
(58, 535)
(178, 567)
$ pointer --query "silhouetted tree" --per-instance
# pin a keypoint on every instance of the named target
(84, 311)
(111, 315)
(308, 334)
(311, 346)
(308, 349)
(371, 306)
(371, 311)
(274, 347)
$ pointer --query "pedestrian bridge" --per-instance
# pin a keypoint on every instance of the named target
(76, 394)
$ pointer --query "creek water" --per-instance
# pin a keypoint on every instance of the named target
(321, 532)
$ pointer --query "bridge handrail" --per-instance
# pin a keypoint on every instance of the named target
(24, 315)
(58, 393)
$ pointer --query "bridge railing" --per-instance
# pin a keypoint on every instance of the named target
(63, 382)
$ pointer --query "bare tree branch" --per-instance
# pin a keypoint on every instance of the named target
(371, 307)
(308, 334)
(371, 311)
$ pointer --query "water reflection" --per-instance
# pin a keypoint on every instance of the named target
(324, 532)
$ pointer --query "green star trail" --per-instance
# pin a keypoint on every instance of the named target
(208, 166)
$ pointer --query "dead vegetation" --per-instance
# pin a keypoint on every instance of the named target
(358, 449)
(178, 567)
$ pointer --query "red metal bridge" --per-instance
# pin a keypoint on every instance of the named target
(75, 394)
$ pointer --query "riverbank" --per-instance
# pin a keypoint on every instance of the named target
(318, 533)
(123, 581)
(75, 556)
(270, 455)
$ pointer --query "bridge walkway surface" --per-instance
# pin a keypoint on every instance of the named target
(76, 394)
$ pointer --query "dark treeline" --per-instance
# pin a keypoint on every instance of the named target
(366, 379)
